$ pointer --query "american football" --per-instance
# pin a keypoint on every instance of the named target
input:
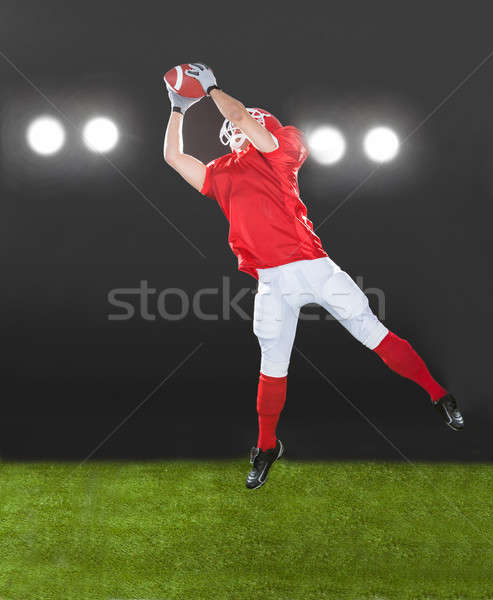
(182, 83)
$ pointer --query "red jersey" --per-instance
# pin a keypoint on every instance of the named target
(259, 195)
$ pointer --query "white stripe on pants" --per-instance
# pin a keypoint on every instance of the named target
(285, 289)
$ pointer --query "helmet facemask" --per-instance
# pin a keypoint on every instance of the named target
(232, 135)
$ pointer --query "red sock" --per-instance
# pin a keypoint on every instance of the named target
(270, 401)
(400, 356)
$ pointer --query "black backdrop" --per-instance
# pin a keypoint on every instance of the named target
(75, 226)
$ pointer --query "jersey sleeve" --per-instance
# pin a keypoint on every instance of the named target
(292, 150)
(208, 187)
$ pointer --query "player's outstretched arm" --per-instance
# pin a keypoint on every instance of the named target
(191, 169)
(232, 109)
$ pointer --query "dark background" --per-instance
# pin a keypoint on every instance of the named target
(73, 228)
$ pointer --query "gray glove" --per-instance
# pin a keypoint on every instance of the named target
(204, 75)
(179, 103)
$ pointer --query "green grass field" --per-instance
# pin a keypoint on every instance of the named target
(191, 531)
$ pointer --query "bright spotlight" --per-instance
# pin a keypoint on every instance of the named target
(381, 144)
(327, 145)
(46, 135)
(100, 134)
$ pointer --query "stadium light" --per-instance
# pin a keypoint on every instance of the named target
(327, 145)
(381, 144)
(45, 135)
(100, 134)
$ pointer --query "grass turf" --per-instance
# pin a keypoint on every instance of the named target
(191, 531)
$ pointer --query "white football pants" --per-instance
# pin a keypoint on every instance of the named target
(283, 290)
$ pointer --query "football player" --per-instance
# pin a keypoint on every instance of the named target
(256, 187)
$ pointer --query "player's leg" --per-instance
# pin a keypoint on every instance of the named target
(345, 301)
(401, 357)
(271, 394)
(275, 322)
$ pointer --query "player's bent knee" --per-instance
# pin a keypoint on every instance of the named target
(267, 316)
(274, 369)
(268, 329)
(376, 333)
(345, 298)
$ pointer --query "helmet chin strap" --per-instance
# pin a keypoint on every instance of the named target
(235, 138)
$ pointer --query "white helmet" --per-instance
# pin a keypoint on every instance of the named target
(236, 140)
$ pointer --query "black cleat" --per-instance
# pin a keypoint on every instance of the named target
(261, 463)
(450, 413)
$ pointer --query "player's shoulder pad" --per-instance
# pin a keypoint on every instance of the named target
(289, 131)
(291, 140)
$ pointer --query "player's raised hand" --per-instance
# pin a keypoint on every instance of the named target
(179, 103)
(204, 75)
